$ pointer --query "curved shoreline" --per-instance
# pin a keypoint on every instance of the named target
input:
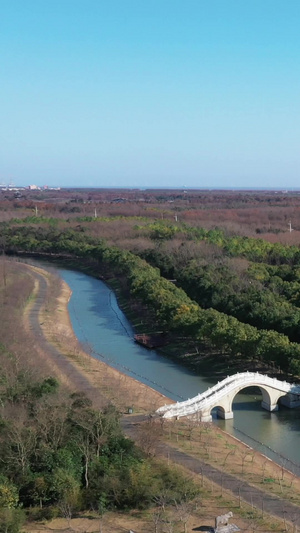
(57, 330)
(102, 382)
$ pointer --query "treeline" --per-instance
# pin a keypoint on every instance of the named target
(253, 249)
(59, 456)
(256, 250)
(246, 295)
(171, 306)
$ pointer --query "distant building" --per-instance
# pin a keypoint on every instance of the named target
(118, 200)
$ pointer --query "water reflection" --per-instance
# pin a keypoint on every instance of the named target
(100, 324)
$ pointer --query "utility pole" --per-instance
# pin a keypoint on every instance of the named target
(290, 226)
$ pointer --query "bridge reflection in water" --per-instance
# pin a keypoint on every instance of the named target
(222, 394)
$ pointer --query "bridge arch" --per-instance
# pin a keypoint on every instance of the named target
(221, 412)
(224, 408)
(266, 397)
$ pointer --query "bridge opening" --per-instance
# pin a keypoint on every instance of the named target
(246, 399)
(219, 412)
(249, 399)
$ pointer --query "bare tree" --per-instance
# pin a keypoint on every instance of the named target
(244, 454)
(148, 436)
(157, 518)
(184, 511)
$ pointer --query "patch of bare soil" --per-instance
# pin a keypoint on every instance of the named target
(114, 522)
(110, 523)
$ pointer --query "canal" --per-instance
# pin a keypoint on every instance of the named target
(105, 332)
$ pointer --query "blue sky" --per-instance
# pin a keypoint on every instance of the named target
(190, 93)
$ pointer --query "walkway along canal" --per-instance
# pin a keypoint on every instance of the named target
(105, 332)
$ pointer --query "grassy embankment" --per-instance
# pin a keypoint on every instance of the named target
(217, 448)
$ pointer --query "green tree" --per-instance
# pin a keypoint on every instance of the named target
(9, 496)
(11, 520)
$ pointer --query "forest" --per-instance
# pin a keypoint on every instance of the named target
(238, 294)
(233, 294)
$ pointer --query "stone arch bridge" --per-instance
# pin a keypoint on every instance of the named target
(222, 394)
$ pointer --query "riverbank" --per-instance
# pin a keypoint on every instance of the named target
(124, 391)
(112, 385)
(200, 358)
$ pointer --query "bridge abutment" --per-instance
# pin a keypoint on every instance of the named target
(226, 415)
(221, 413)
(269, 406)
(290, 400)
(206, 418)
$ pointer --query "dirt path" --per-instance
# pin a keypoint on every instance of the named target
(73, 366)
(72, 375)
(103, 384)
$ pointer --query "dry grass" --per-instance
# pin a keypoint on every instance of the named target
(216, 447)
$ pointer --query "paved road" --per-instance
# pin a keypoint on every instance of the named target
(266, 503)
(130, 424)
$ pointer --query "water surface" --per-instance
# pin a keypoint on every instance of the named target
(103, 328)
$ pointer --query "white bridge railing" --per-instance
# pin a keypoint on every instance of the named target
(211, 396)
